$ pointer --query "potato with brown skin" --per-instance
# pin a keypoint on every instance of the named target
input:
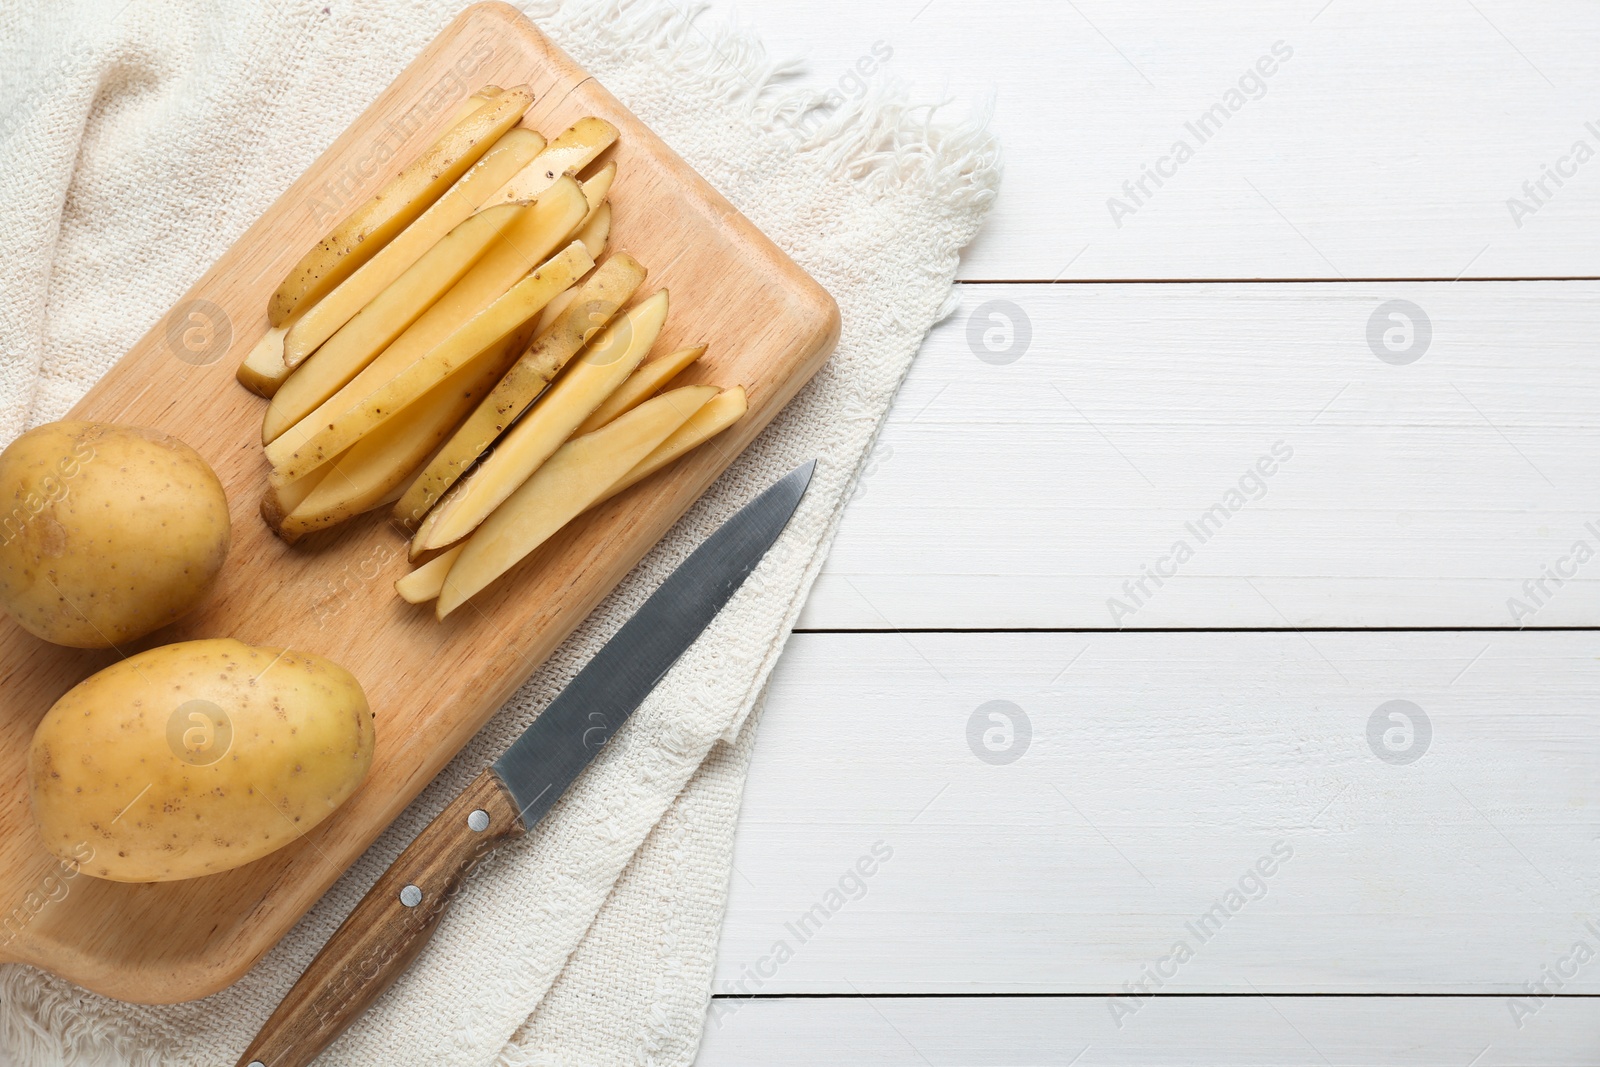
(106, 532)
(195, 758)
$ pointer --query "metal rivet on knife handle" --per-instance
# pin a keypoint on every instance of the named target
(411, 896)
(478, 821)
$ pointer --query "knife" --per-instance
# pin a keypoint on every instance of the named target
(397, 917)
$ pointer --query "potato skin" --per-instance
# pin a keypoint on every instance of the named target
(106, 532)
(195, 758)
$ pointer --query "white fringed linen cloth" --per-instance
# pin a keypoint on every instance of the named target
(139, 139)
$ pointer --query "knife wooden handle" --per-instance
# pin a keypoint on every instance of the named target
(387, 930)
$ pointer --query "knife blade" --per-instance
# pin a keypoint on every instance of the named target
(392, 924)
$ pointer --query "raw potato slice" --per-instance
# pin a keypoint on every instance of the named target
(279, 500)
(582, 388)
(424, 583)
(720, 412)
(362, 478)
(598, 187)
(568, 483)
(508, 155)
(407, 195)
(575, 149)
(389, 314)
(522, 247)
(462, 348)
(474, 102)
(555, 309)
(598, 299)
(262, 371)
(596, 230)
(641, 385)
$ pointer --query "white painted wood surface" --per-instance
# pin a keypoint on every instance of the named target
(1386, 146)
(1022, 494)
(1426, 494)
(1153, 773)
(1078, 1032)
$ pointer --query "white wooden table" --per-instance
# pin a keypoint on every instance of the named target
(1331, 359)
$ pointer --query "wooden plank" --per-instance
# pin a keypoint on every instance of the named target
(430, 685)
(1368, 155)
(1197, 1032)
(1435, 493)
(1159, 771)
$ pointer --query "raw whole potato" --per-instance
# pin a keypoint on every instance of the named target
(197, 757)
(106, 532)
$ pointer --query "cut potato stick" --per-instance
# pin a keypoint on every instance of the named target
(474, 102)
(573, 150)
(642, 384)
(597, 187)
(407, 195)
(367, 475)
(596, 230)
(520, 248)
(263, 371)
(429, 425)
(389, 314)
(323, 320)
(598, 300)
(720, 412)
(555, 309)
(462, 348)
(424, 583)
(279, 500)
(567, 484)
(580, 389)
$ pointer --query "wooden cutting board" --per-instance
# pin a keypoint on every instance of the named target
(431, 685)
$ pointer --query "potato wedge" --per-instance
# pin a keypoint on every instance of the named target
(390, 313)
(474, 102)
(368, 473)
(567, 484)
(720, 412)
(263, 370)
(555, 309)
(596, 231)
(521, 248)
(598, 299)
(581, 388)
(277, 501)
(463, 348)
(597, 187)
(407, 195)
(574, 149)
(424, 583)
(447, 213)
(645, 382)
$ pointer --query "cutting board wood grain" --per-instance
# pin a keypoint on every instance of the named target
(432, 685)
